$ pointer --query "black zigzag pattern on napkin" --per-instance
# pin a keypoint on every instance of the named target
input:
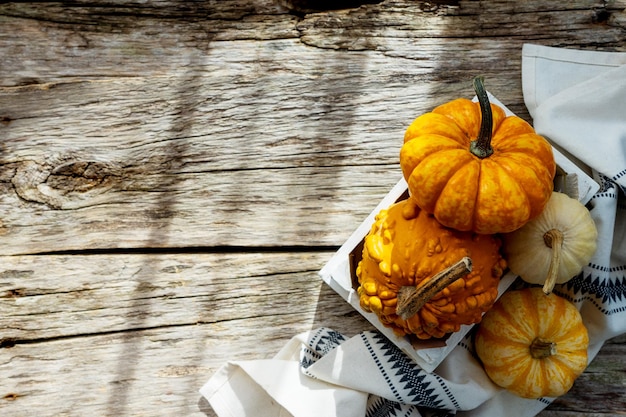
(382, 407)
(328, 341)
(611, 293)
(319, 344)
(409, 383)
(607, 187)
(308, 357)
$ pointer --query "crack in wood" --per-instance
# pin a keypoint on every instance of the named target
(193, 250)
(11, 342)
(303, 7)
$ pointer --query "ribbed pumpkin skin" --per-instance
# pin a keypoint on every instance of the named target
(507, 331)
(496, 194)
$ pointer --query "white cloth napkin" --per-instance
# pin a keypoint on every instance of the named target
(576, 99)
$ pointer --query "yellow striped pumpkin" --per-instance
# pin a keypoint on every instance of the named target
(533, 344)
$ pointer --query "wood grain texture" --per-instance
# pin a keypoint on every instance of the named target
(174, 174)
(159, 153)
(49, 297)
(139, 335)
(161, 114)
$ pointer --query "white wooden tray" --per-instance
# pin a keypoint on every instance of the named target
(339, 272)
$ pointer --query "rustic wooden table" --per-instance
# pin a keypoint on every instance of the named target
(174, 174)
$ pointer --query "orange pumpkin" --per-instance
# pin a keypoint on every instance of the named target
(533, 344)
(407, 248)
(475, 168)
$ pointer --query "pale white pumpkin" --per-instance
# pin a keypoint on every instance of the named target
(555, 246)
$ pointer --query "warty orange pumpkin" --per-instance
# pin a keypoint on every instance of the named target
(475, 168)
(532, 344)
(407, 249)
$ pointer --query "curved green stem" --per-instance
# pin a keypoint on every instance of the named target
(481, 147)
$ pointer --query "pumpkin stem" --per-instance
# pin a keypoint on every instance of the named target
(541, 348)
(481, 147)
(553, 239)
(411, 299)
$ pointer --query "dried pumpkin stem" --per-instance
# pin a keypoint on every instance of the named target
(553, 239)
(541, 348)
(481, 147)
(412, 299)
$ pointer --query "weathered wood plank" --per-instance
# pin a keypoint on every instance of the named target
(95, 177)
(51, 42)
(88, 41)
(47, 297)
(131, 158)
(574, 24)
(138, 334)
(150, 373)
(291, 207)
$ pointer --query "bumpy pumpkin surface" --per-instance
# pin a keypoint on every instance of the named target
(477, 170)
(533, 344)
(406, 246)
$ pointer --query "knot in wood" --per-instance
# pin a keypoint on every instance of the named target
(68, 186)
(79, 176)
